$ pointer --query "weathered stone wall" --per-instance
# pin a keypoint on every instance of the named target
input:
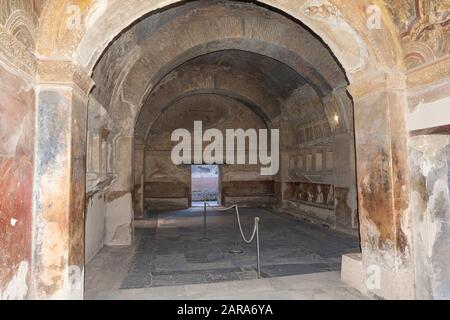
(168, 185)
(318, 179)
(18, 28)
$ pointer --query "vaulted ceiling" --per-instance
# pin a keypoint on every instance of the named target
(238, 50)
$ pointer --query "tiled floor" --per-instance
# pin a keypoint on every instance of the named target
(167, 251)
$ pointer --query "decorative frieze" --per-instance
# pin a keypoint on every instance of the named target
(15, 53)
(64, 72)
(367, 86)
(383, 81)
(428, 74)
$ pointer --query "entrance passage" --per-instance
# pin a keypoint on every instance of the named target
(205, 185)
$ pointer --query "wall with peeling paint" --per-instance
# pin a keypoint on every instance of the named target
(429, 157)
(17, 114)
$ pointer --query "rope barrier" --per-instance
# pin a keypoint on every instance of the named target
(255, 234)
(240, 225)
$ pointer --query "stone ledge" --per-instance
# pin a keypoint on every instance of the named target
(352, 272)
(430, 73)
(166, 203)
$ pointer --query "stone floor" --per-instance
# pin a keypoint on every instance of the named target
(167, 251)
(317, 286)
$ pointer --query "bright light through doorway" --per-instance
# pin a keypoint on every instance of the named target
(205, 185)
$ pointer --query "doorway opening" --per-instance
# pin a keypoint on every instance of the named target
(205, 185)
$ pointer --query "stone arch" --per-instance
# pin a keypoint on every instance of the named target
(373, 62)
(246, 89)
(129, 86)
(329, 19)
(215, 92)
(253, 35)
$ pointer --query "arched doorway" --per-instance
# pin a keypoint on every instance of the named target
(381, 207)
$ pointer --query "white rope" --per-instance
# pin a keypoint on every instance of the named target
(239, 223)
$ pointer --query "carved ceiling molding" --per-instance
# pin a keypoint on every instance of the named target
(383, 81)
(16, 54)
(430, 73)
(64, 72)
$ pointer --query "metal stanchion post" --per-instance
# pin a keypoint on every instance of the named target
(205, 227)
(236, 250)
(258, 251)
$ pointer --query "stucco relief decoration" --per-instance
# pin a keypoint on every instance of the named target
(96, 10)
(424, 26)
(18, 32)
(67, 24)
(81, 19)
(354, 54)
(21, 27)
